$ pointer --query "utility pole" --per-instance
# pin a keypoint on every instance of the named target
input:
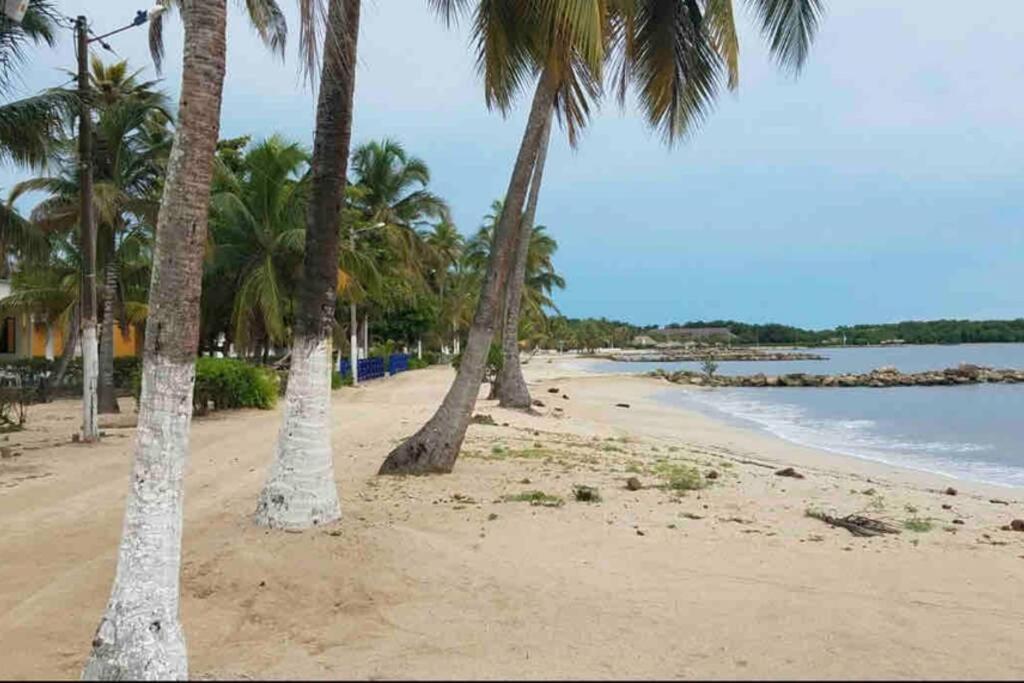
(87, 237)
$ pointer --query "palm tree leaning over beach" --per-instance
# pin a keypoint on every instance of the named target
(139, 635)
(571, 34)
(655, 43)
(673, 51)
(300, 491)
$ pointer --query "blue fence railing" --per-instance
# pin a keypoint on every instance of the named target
(374, 367)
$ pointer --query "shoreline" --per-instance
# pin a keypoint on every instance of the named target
(860, 464)
(461, 576)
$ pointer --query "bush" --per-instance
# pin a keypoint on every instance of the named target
(431, 357)
(495, 360)
(338, 380)
(417, 363)
(229, 383)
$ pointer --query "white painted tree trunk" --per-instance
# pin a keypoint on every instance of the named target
(300, 492)
(140, 635)
(90, 382)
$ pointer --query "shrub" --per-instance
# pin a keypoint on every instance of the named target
(417, 363)
(338, 380)
(679, 477)
(230, 383)
(586, 494)
(495, 359)
(535, 498)
(431, 357)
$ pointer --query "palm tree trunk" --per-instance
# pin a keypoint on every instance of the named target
(510, 385)
(140, 634)
(300, 491)
(435, 447)
(66, 354)
(107, 396)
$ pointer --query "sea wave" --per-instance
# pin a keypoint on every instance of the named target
(859, 438)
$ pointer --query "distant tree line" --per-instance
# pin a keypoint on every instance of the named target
(910, 332)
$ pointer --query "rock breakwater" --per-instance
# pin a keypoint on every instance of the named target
(878, 378)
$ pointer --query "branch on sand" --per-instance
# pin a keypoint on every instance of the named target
(858, 525)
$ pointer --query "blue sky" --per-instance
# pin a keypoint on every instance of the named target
(884, 183)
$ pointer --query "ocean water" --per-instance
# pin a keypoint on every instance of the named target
(972, 432)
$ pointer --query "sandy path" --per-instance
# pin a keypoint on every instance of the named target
(419, 581)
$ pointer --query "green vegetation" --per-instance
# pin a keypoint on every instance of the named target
(230, 383)
(918, 524)
(535, 498)
(679, 477)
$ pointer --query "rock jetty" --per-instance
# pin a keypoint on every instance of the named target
(716, 355)
(879, 378)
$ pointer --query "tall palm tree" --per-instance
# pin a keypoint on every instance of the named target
(258, 233)
(300, 491)
(510, 36)
(674, 52)
(129, 154)
(140, 635)
(445, 245)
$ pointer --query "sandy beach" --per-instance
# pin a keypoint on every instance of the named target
(437, 577)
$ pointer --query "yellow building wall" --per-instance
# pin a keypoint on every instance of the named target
(126, 343)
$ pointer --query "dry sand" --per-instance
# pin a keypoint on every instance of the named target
(433, 578)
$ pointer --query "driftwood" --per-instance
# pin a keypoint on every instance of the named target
(858, 525)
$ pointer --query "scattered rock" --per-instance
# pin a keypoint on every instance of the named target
(998, 501)
(6, 452)
(491, 517)
(633, 484)
(263, 584)
(524, 480)
(711, 474)
(539, 403)
(483, 419)
(621, 405)
(950, 491)
(947, 506)
(789, 472)
(565, 396)
(1017, 525)
(76, 438)
(958, 521)
(553, 390)
(639, 532)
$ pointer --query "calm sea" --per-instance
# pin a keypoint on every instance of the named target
(973, 432)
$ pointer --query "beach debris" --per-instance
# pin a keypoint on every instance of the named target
(947, 506)
(539, 403)
(950, 491)
(586, 494)
(565, 396)
(998, 501)
(639, 532)
(491, 517)
(690, 515)
(1015, 525)
(633, 484)
(858, 525)
(524, 480)
(789, 472)
(711, 474)
(958, 521)
(483, 419)
(621, 405)
(553, 390)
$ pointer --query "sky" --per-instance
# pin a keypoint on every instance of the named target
(883, 183)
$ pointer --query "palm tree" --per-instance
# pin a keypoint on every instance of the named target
(140, 635)
(300, 491)
(674, 52)
(445, 245)
(258, 233)
(129, 154)
(28, 125)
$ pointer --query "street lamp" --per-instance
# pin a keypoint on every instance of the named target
(353, 320)
(90, 347)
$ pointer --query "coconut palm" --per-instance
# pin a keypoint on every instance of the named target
(300, 491)
(140, 635)
(129, 154)
(258, 233)
(675, 54)
(28, 125)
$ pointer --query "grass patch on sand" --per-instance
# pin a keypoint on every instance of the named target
(679, 477)
(535, 498)
(500, 452)
(918, 524)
